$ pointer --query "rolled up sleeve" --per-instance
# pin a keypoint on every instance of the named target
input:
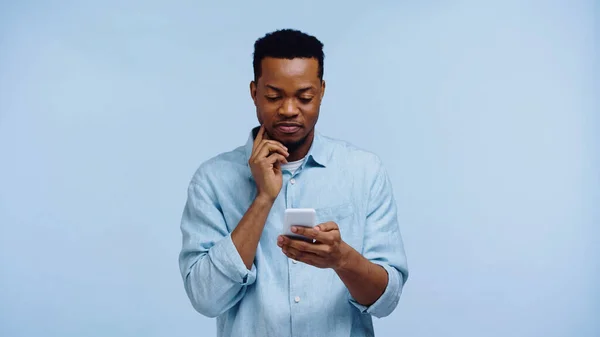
(214, 274)
(228, 261)
(383, 244)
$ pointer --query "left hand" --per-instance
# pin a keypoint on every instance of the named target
(328, 251)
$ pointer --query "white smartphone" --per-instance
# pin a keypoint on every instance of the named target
(302, 217)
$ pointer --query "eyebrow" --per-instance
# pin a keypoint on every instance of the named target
(301, 90)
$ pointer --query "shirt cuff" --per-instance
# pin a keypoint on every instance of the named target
(228, 261)
(386, 303)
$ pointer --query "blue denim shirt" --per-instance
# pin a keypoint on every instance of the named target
(278, 296)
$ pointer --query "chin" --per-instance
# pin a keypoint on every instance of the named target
(292, 141)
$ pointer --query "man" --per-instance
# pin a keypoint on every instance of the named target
(235, 263)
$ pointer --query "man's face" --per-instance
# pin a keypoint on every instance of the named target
(287, 97)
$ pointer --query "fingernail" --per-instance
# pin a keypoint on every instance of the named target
(317, 228)
(294, 229)
(280, 239)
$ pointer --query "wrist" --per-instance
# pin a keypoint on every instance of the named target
(264, 200)
(348, 258)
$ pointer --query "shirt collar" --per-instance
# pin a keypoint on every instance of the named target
(318, 154)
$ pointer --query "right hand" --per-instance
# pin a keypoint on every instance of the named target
(265, 164)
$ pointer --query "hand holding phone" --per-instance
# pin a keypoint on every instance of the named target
(301, 217)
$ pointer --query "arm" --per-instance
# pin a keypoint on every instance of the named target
(247, 234)
(374, 279)
(214, 274)
(384, 249)
(365, 280)
(217, 267)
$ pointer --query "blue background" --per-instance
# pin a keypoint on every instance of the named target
(484, 112)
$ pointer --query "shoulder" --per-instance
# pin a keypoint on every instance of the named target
(345, 153)
(225, 166)
(364, 166)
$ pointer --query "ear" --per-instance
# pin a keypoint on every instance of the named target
(253, 91)
(322, 89)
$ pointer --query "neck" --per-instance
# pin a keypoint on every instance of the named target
(300, 151)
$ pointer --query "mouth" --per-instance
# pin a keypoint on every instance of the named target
(288, 128)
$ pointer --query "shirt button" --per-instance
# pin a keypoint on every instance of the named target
(297, 299)
(292, 181)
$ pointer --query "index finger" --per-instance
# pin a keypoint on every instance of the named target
(259, 137)
(327, 226)
(313, 233)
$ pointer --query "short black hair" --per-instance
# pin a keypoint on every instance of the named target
(287, 44)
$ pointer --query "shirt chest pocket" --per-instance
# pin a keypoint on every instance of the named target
(345, 217)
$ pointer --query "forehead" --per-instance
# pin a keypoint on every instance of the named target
(289, 71)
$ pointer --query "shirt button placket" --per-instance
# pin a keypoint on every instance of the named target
(293, 182)
(292, 288)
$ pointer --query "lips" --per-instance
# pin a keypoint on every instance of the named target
(288, 128)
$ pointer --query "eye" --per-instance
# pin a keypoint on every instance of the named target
(305, 100)
(272, 98)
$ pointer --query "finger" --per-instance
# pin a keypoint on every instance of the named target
(312, 233)
(306, 258)
(313, 260)
(276, 158)
(306, 247)
(330, 232)
(269, 146)
(265, 150)
(296, 254)
(290, 252)
(327, 226)
(257, 150)
(259, 137)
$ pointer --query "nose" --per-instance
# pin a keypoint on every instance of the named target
(288, 108)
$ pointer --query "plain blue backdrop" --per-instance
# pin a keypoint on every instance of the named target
(484, 113)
